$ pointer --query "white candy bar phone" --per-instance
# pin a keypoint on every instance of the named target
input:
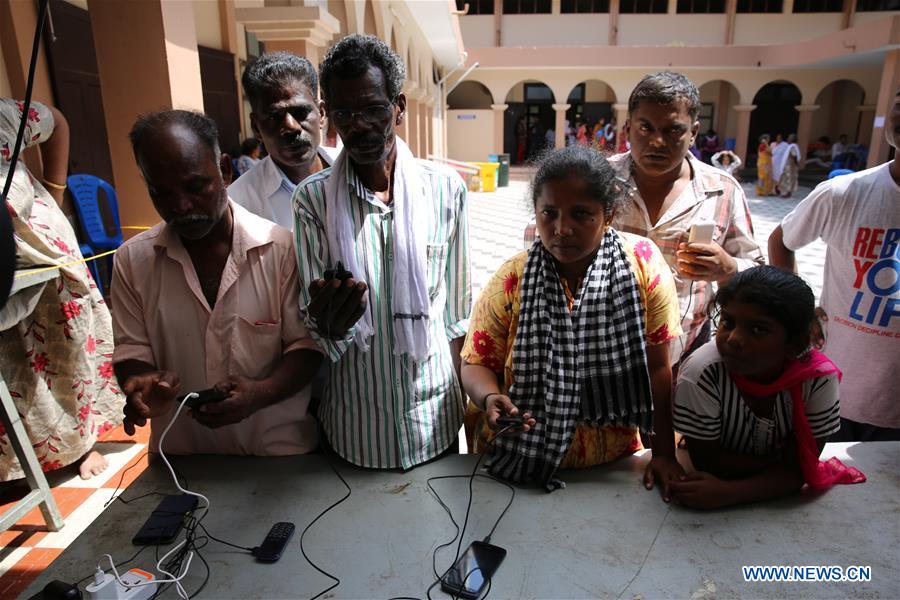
(702, 233)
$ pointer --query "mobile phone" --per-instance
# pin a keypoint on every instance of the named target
(202, 397)
(338, 272)
(166, 520)
(702, 233)
(473, 570)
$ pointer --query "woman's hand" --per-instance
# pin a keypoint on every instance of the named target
(498, 405)
(702, 490)
(664, 470)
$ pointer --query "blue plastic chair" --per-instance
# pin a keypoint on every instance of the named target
(85, 192)
(839, 172)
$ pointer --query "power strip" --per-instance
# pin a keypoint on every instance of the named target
(138, 585)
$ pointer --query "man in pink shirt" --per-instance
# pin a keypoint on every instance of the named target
(209, 299)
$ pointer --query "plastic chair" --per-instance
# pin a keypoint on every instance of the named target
(85, 192)
(839, 172)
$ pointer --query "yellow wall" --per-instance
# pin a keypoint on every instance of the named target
(206, 19)
(470, 139)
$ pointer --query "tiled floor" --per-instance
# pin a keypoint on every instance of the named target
(27, 547)
(497, 222)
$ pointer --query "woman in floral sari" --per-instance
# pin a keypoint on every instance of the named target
(56, 338)
(573, 336)
(765, 186)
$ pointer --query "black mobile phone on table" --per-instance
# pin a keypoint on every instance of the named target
(166, 520)
(468, 577)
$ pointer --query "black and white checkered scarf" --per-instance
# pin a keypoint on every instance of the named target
(589, 364)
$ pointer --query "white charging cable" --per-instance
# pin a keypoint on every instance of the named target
(172, 578)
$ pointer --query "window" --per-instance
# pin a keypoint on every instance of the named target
(584, 6)
(576, 96)
(707, 116)
(537, 92)
(701, 6)
(818, 6)
(873, 5)
(644, 6)
(476, 7)
(760, 6)
(526, 7)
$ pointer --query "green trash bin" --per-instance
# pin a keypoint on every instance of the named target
(503, 173)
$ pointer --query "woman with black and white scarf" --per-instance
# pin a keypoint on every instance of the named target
(573, 336)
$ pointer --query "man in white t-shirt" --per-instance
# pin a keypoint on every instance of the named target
(858, 217)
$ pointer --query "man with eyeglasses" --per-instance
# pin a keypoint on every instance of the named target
(283, 91)
(393, 327)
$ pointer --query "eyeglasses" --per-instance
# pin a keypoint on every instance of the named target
(370, 114)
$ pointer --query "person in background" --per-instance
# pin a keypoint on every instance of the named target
(584, 318)
(727, 161)
(709, 145)
(765, 186)
(670, 191)
(858, 217)
(56, 339)
(840, 150)
(283, 92)
(788, 163)
(250, 151)
(208, 298)
(757, 404)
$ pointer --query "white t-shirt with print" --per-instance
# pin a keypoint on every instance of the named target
(858, 217)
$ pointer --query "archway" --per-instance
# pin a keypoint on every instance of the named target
(716, 99)
(527, 120)
(774, 113)
(838, 114)
(591, 102)
(470, 95)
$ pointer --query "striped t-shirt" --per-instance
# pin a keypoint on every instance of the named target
(709, 406)
(380, 409)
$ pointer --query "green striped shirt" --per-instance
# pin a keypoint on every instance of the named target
(382, 410)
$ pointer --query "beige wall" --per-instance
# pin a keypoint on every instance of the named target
(663, 30)
(206, 19)
(867, 17)
(470, 139)
(532, 30)
(477, 30)
(596, 91)
(755, 29)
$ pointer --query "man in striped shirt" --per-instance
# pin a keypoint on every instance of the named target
(393, 398)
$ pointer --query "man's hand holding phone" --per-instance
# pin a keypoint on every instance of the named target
(337, 302)
(702, 259)
(149, 395)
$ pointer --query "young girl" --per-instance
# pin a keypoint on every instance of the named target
(757, 404)
(573, 336)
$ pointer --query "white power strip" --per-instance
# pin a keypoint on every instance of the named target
(136, 584)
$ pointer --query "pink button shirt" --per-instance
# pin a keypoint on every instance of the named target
(161, 317)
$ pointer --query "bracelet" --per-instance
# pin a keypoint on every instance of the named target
(55, 186)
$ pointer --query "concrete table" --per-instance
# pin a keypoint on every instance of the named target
(603, 536)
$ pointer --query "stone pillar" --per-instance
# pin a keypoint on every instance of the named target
(423, 129)
(147, 60)
(849, 12)
(613, 33)
(620, 110)
(866, 118)
(890, 80)
(312, 51)
(561, 124)
(730, 18)
(499, 119)
(743, 129)
(412, 112)
(428, 111)
(804, 126)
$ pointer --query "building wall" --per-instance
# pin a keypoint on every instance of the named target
(837, 113)
(477, 30)
(5, 89)
(663, 30)
(757, 29)
(470, 94)
(470, 134)
(867, 17)
(206, 19)
(532, 30)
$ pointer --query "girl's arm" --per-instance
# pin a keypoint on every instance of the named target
(704, 490)
(663, 466)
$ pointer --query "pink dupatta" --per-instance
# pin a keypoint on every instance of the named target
(818, 474)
